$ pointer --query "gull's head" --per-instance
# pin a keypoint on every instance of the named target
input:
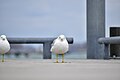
(3, 37)
(61, 37)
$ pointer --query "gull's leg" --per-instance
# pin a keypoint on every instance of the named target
(62, 58)
(2, 57)
(56, 58)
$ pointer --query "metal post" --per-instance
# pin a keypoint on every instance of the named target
(95, 28)
(106, 51)
(46, 50)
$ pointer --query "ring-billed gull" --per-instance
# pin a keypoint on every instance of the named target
(4, 46)
(60, 46)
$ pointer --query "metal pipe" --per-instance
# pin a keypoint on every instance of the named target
(109, 40)
(45, 41)
(34, 40)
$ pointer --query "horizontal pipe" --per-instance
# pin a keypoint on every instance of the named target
(109, 40)
(34, 40)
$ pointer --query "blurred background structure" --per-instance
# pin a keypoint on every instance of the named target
(114, 48)
(50, 18)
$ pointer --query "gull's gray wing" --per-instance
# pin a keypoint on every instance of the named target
(53, 42)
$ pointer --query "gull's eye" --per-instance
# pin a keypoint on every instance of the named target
(2, 38)
(59, 37)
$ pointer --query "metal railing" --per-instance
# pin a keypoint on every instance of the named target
(45, 41)
(107, 41)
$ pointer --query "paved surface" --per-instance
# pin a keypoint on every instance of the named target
(48, 70)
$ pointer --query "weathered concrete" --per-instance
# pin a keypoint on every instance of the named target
(48, 70)
(95, 28)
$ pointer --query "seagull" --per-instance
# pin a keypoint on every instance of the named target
(4, 46)
(60, 46)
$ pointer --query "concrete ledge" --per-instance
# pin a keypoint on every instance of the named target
(48, 70)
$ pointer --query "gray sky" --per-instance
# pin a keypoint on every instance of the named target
(50, 18)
